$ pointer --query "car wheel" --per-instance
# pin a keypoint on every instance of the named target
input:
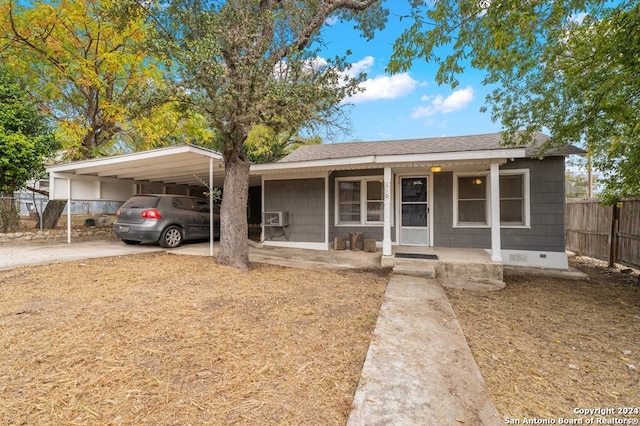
(131, 242)
(171, 237)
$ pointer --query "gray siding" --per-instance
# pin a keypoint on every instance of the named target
(547, 231)
(304, 200)
(444, 234)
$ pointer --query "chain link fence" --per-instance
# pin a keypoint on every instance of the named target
(24, 213)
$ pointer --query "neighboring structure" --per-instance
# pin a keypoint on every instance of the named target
(466, 191)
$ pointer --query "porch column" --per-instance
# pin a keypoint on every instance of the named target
(386, 235)
(496, 256)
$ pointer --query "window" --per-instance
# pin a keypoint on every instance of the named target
(349, 204)
(472, 200)
(375, 201)
(360, 201)
(202, 206)
(184, 203)
(514, 198)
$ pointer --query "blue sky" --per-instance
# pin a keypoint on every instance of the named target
(407, 105)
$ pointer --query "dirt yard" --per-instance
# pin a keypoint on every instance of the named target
(175, 340)
(548, 346)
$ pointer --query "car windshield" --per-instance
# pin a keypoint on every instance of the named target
(142, 202)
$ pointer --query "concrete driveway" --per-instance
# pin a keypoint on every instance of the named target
(15, 255)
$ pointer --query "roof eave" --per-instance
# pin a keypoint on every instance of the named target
(154, 153)
(381, 160)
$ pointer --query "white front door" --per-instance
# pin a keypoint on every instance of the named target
(414, 211)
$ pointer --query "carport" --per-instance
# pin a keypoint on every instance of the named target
(183, 169)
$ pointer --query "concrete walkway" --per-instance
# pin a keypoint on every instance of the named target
(418, 370)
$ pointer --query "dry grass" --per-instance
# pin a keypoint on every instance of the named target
(546, 346)
(166, 339)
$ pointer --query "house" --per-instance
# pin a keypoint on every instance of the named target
(463, 191)
(460, 192)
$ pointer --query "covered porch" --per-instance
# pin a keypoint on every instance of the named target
(388, 218)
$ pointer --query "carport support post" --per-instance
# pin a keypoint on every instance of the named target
(211, 207)
(69, 210)
(386, 232)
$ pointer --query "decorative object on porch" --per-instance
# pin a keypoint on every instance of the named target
(339, 243)
(370, 245)
(356, 240)
(417, 256)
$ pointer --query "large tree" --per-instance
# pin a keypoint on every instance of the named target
(26, 140)
(82, 60)
(570, 68)
(245, 63)
(85, 64)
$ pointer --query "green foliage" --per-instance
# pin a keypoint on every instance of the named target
(263, 145)
(579, 184)
(25, 137)
(86, 62)
(247, 63)
(569, 68)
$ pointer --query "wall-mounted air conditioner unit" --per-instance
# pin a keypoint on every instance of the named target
(276, 218)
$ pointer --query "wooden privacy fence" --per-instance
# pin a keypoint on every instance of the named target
(605, 232)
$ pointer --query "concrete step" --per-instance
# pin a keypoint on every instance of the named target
(471, 284)
(412, 270)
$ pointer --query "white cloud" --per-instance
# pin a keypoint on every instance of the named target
(381, 86)
(361, 66)
(578, 18)
(456, 101)
(384, 87)
(331, 21)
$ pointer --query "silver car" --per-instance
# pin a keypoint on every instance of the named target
(166, 219)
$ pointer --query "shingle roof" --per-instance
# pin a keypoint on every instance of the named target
(485, 142)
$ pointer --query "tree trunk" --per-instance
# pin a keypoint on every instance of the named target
(52, 213)
(234, 246)
(356, 240)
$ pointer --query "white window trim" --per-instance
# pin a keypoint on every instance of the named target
(485, 175)
(363, 201)
(527, 197)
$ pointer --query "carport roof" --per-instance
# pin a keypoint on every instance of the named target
(175, 165)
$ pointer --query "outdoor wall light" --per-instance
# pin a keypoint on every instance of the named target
(477, 181)
(436, 169)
